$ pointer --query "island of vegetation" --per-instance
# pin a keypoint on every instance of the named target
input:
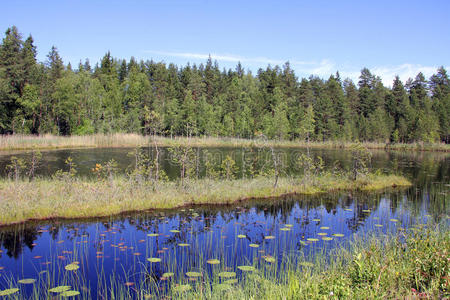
(145, 186)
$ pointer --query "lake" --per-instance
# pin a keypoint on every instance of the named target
(116, 250)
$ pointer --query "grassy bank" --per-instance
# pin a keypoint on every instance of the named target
(76, 198)
(27, 142)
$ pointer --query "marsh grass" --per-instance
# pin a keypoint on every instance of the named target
(27, 142)
(81, 198)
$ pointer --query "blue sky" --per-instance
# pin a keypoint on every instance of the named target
(317, 37)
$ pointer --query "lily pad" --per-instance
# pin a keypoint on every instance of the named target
(167, 275)
(8, 292)
(322, 233)
(285, 229)
(154, 259)
(254, 245)
(27, 281)
(183, 245)
(316, 220)
(312, 239)
(327, 238)
(241, 236)
(269, 259)
(269, 237)
(72, 267)
(227, 274)
(378, 225)
(324, 228)
(288, 225)
(193, 274)
(246, 268)
(338, 235)
(60, 289)
(153, 234)
(213, 261)
(175, 231)
(393, 220)
(70, 293)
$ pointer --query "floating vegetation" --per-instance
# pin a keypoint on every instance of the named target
(338, 234)
(27, 281)
(378, 225)
(327, 238)
(324, 228)
(72, 267)
(69, 293)
(285, 229)
(213, 261)
(154, 259)
(183, 245)
(316, 220)
(193, 274)
(175, 231)
(8, 292)
(312, 240)
(246, 268)
(322, 233)
(227, 274)
(167, 275)
(269, 237)
(241, 236)
(393, 220)
(348, 209)
(288, 225)
(153, 234)
(60, 289)
(366, 210)
(270, 259)
(254, 245)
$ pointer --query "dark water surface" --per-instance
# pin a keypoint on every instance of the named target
(113, 251)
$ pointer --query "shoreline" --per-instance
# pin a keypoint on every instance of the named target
(49, 142)
(46, 199)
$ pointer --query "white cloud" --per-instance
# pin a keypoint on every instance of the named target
(323, 68)
(404, 71)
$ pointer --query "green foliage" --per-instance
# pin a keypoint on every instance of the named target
(150, 97)
(185, 157)
(311, 167)
(211, 165)
(68, 175)
(361, 159)
(16, 167)
(228, 168)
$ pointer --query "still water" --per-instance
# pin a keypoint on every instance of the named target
(114, 251)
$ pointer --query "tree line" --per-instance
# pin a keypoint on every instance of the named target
(148, 97)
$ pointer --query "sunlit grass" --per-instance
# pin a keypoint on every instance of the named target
(82, 198)
(26, 142)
